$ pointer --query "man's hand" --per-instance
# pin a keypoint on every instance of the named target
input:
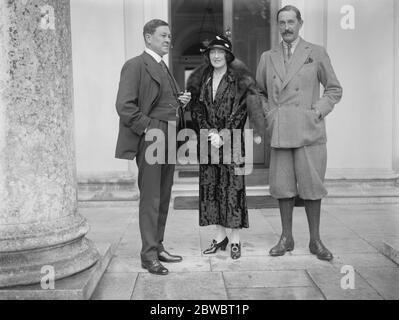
(318, 114)
(184, 98)
(216, 140)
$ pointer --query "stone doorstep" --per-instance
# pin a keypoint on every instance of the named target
(111, 186)
(185, 196)
(253, 202)
(76, 287)
(193, 189)
(107, 195)
(390, 249)
(334, 191)
(357, 187)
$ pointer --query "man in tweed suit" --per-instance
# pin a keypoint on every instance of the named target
(290, 76)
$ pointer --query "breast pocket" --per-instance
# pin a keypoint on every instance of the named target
(308, 73)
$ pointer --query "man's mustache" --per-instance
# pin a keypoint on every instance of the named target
(287, 32)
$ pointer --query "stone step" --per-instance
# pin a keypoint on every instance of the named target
(350, 186)
(339, 192)
(390, 248)
(189, 175)
(185, 195)
(113, 186)
(253, 202)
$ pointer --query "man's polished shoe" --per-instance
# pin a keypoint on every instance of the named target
(284, 245)
(165, 256)
(155, 267)
(214, 247)
(317, 247)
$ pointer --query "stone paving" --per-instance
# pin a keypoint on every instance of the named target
(354, 233)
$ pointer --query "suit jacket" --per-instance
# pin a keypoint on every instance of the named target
(293, 95)
(139, 91)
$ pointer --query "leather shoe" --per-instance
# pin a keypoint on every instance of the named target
(165, 256)
(214, 247)
(317, 247)
(155, 267)
(235, 251)
(284, 245)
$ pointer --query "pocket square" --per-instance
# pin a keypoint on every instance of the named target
(309, 60)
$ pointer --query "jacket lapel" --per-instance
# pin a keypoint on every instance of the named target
(277, 57)
(301, 53)
(152, 67)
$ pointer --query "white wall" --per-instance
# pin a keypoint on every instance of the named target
(360, 128)
(137, 13)
(98, 54)
(105, 33)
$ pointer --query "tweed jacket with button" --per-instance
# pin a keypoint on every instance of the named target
(293, 94)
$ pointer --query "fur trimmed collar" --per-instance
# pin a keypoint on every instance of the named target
(235, 71)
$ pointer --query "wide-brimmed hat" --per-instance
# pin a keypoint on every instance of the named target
(220, 42)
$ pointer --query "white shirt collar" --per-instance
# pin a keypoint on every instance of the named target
(153, 54)
(294, 44)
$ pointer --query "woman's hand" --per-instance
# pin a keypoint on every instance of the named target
(215, 139)
(257, 139)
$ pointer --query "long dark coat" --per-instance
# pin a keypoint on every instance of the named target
(222, 196)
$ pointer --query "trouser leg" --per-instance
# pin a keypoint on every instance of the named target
(155, 183)
(167, 173)
(149, 181)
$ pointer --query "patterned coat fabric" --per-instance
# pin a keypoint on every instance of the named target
(222, 196)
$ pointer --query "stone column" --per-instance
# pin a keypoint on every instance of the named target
(39, 223)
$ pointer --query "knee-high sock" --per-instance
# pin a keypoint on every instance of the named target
(286, 209)
(312, 208)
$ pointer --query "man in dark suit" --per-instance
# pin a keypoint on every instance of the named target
(148, 98)
(290, 76)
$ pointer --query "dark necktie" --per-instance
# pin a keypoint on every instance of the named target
(171, 80)
(287, 54)
(289, 51)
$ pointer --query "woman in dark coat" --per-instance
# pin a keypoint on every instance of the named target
(223, 94)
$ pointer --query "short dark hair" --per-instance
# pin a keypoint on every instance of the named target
(291, 8)
(229, 57)
(152, 25)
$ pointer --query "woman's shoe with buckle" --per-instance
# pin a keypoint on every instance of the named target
(214, 247)
(235, 252)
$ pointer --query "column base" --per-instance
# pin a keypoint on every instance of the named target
(26, 267)
(80, 286)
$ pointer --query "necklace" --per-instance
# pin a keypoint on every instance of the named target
(217, 77)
